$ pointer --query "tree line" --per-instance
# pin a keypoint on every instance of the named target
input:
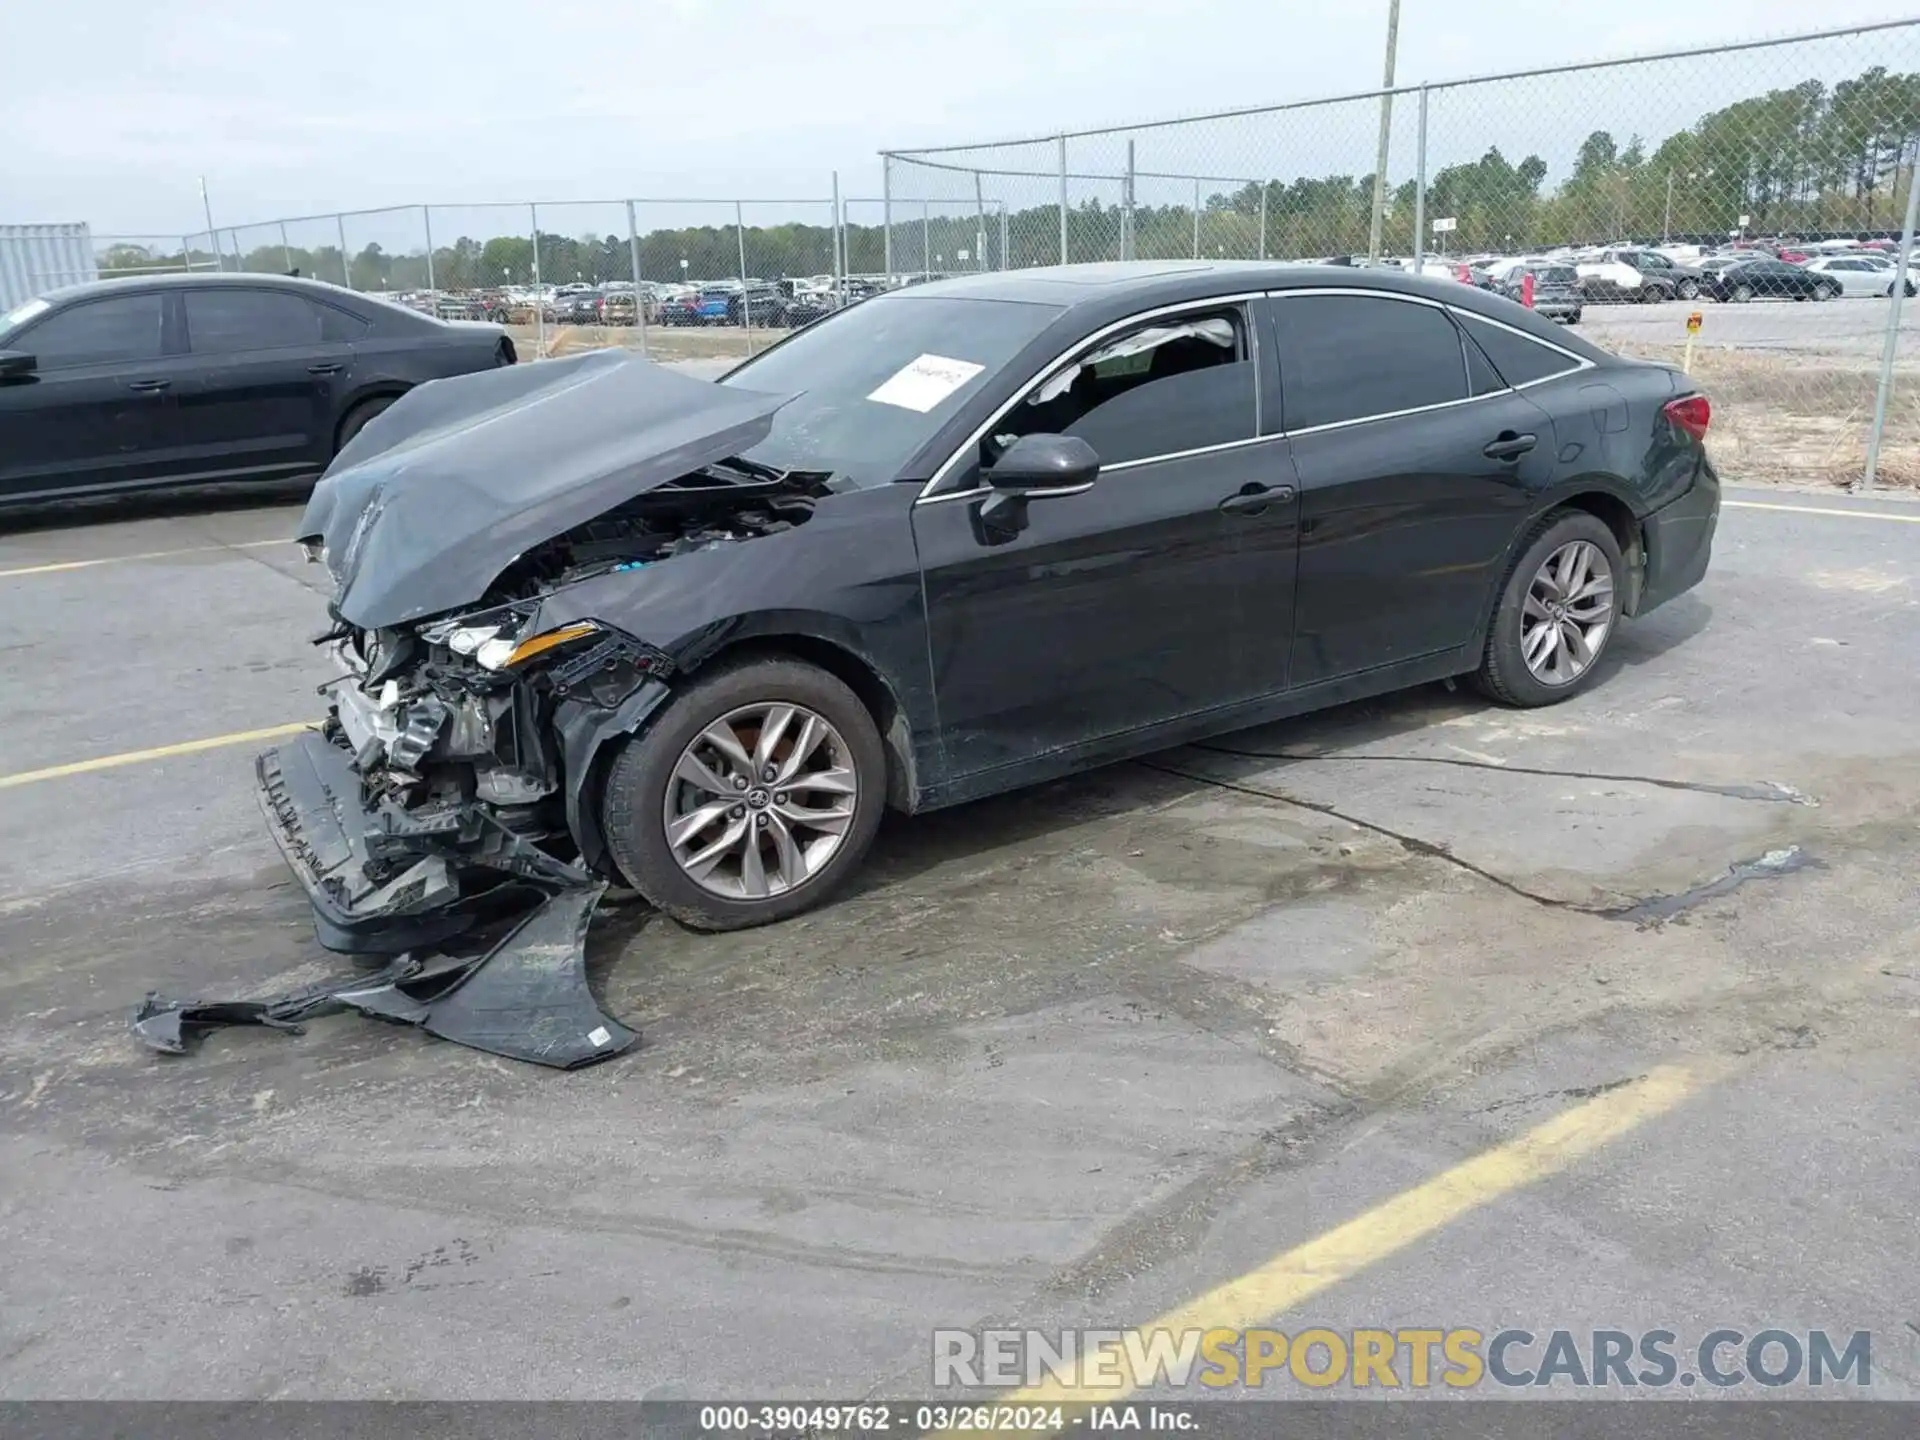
(1809, 159)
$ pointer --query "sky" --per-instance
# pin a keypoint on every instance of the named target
(112, 111)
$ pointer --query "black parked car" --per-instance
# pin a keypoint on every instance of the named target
(602, 619)
(199, 379)
(1769, 279)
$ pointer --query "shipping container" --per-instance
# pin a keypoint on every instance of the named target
(38, 258)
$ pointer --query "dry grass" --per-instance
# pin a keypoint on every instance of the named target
(1800, 418)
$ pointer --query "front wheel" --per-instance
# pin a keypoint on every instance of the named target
(1741, 294)
(1557, 612)
(1689, 290)
(752, 797)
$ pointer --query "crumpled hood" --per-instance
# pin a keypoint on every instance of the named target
(429, 503)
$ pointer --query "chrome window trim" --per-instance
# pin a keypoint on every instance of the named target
(1105, 470)
(1580, 361)
(930, 492)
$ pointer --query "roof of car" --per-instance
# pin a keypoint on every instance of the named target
(192, 277)
(1169, 281)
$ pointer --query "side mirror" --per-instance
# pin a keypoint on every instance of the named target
(1043, 462)
(16, 363)
(1034, 467)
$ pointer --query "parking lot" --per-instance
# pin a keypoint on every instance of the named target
(1074, 1056)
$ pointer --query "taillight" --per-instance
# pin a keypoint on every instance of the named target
(1463, 274)
(1692, 413)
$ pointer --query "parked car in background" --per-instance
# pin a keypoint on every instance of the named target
(1770, 280)
(1857, 275)
(1556, 287)
(1643, 276)
(579, 307)
(202, 379)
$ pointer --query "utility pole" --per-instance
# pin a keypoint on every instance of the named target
(1386, 127)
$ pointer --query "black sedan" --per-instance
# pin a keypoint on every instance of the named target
(203, 379)
(603, 621)
(1768, 280)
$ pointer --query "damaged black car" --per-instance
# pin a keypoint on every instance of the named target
(600, 622)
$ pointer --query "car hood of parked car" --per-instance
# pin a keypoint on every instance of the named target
(426, 506)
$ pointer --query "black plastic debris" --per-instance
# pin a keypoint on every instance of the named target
(525, 998)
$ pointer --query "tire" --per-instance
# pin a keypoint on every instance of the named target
(1504, 673)
(647, 776)
(1654, 294)
(1826, 292)
(1741, 294)
(1689, 290)
(356, 419)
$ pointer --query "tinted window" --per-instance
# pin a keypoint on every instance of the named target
(1178, 383)
(125, 328)
(339, 325)
(1346, 357)
(924, 356)
(1482, 378)
(224, 321)
(1518, 359)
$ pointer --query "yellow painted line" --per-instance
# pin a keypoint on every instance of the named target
(1388, 1228)
(141, 757)
(144, 555)
(1913, 519)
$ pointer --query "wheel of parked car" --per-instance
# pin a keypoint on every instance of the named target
(752, 797)
(1654, 294)
(1741, 294)
(1826, 292)
(1688, 290)
(1574, 318)
(357, 418)
(1910, 290)
(1557, 612)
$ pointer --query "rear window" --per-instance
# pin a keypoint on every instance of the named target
(1519, 360)
(1559, 275)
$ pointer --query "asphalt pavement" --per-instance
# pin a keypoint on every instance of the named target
(1078, 1056)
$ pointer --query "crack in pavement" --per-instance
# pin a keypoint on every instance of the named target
(1647, 910)
(1770, 790)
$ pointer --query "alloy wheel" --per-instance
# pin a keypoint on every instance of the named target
(1567, 614)
(760, 801)
(1742, 294)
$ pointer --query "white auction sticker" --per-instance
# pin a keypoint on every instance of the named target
(599, 1036)
(923, 383)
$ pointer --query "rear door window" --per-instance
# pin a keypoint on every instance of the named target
(1354, 357)
(125, 328)
(229, 321)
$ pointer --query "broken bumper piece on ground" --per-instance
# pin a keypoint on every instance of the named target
(525, 998)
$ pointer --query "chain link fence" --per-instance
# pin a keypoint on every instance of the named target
(1653, 186)
(689, 279)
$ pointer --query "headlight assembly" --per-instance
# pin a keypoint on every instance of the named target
(498, 646)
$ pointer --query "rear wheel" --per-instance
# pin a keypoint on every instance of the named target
(1689, 290)
(753, 797)
(357, 418)
(1826, 292)
(1741, 294)
(1557, 613)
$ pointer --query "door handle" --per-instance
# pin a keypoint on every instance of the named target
(149, 387)
(1509, 446)
(325, 367)
(1253, 497)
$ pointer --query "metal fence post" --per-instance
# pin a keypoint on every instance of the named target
(346, 265)
(979, 225)
(639, 301)
(1063, 199)
(926, 239)
(286, 250)
(1006, 262)
(1263, 219)
(746, 301)
(834, 243)
(886, 213)
(539, 299)
(1196, 217)
(426, 223)
(1902, 268)
(1386, 130)
(1127, 243)
(1420, 190)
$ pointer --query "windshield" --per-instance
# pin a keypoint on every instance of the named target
(877, 379)
(21, 314)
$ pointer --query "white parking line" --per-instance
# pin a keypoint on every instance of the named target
(1913, 519)
(144, 555)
